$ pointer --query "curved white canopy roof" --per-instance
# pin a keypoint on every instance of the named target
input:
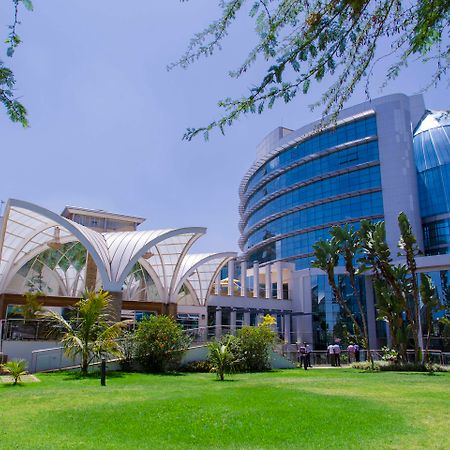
(27, 230)
(200, 270)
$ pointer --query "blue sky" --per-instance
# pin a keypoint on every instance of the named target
(107, 118)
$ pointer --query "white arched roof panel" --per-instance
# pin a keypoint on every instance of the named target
(168, 254)
(123, 246)
(200, 270)
(27, 227)
(22, 257)
(169, 245)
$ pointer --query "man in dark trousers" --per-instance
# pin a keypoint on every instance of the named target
(308, 351)
(356, 346)
(303, 356)
(337, 354)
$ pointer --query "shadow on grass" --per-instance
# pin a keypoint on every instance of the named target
(11, 385)
(166, 374)
(226, 380)
(91, 375)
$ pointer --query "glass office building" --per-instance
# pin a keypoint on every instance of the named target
(292, 200)
(379, 158)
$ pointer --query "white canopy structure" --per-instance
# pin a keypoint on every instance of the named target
(29, 230)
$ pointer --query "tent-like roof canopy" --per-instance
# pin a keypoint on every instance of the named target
(28, 229)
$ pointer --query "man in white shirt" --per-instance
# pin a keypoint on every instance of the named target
(351, 353)
(331, 356)
(337, 354)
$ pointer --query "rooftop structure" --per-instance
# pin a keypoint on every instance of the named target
(100, 220)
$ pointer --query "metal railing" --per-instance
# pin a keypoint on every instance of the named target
(28, 330)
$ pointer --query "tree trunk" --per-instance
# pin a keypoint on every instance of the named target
(342, 303)
(357, 295)
(84, 364)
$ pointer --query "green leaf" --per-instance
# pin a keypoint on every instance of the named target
(28, 4)
(306, 85)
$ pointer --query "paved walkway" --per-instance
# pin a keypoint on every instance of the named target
(24, 379)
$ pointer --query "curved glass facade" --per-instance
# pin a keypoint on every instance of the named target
(321, 164)
(327, 139)
(432, 156)
(330, 178)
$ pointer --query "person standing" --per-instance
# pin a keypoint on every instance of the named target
(308, 354)
(351, 353)
(337, 354)
(302, 353)
(331, 357)
(356, 346)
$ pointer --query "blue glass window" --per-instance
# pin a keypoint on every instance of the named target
(437, 237)
(343, 159)
(327, 139)
(349, 182)
(336, 211)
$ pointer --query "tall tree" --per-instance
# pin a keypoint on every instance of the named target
(326, 254)
(90, 334)
(409, 249)
(349, 248)
(431, 304)
(391, 310)
(304, 41)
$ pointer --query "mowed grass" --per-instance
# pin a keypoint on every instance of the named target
(322, 408)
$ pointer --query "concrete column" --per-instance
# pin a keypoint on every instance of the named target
(255, 279)
(243, 278)
(370, 307)
(247, 317)
(287, 328)
(268, 281)
(233, 321)
(170, 309)
(3, 307)
(116, 305)
(259, 317)
(218, 322)
(91, 273)
(217, 284)
(1, 335)
(230, 277)
(279, 282)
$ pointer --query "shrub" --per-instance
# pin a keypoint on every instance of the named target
(197, 367)
(16, 369)
(413, 367)
(221, 357)
(389, 354)
(366, 365)
(159, 343)
(385, 366)
(252, 348)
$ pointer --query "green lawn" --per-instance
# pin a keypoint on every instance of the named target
(286, 409)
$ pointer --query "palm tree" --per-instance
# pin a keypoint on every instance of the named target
(349, 247)
(221, 357)
(15, 368)
(90, 334)
(431, 303)
(391, 310)
(409, 248)
(326, 253)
